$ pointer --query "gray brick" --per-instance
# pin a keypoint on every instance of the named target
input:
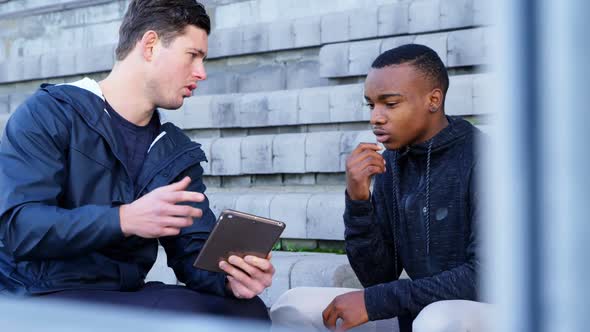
(95, 59)
(3, 119)
(459, 99)
(292, 210)
(299, 179)
(283, 108)
(362, 54)
(307, 31)
(12, 70)
(334, 27)
(174, 116)
(206, 147)
(253, 110)
(225, 156)
(240, 182)
(322, 152)
(17, 99)
(391, 43)
(257, 204)
(224, 42)
(212, 182)
(263, 78)
(314, 105)
(224, 111)
(468, 47)
(49, 65)
(289, 153)
(4, 104)
(281, 35)
(198, 112)
(324, 216)
(331, 179)
(257, 154)
(160, 270)
(218, 83)
(281, 280)
(363, 24)
(436, 41)
(255, 38)
(267, 180)
(304, 74)
(324, 270)
(456, 13)
(346, 103)
(219, 201)
(334, 60)
(393, 19)
(481, 12)
(482, 90)
(424, 15)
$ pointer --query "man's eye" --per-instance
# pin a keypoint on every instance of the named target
(391, 105)
(370, 106)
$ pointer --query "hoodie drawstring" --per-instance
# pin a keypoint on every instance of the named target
(427, 207)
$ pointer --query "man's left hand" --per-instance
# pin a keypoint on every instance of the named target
(249, 276)
(350, 308)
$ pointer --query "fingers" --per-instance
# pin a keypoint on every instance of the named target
(177, 186)
(182, 196)
(181, 211)
(240, 291)
(250, 276)
(330, 316)
(261, 263)
(367, 146)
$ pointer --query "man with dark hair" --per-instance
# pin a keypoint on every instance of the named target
(91, 181)
(421, 216)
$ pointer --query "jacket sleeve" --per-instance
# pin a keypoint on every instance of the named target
(183, 249)
(369, 241)
(407, 296)
(32, 173)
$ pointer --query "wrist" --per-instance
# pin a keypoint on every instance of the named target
(122, 218)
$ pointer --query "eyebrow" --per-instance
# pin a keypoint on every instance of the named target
(385, 96)
(199, 51)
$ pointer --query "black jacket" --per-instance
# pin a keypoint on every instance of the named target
(422, 217)
(61, 183)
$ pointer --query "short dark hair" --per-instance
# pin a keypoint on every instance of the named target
(421, 57)
(168, 18)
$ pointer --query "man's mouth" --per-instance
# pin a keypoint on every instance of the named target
(189, 88)
(382, 135)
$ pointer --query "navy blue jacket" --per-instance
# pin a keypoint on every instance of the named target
(61, 184)
(422, 217)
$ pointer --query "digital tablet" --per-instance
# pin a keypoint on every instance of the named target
(241, 234)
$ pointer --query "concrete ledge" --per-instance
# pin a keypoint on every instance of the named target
(308, 215)
(456, 49)
(334, 104)
(292, 270)
(387, 20)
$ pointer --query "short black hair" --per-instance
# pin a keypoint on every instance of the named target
(421, 57)
(168, 18)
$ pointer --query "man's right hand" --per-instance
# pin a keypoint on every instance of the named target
(156, 214)
(361, 165)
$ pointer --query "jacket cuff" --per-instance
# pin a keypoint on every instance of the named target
(114, 224)
(357, 208)
(384, 301)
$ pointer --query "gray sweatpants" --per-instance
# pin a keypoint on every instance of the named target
(301, 309)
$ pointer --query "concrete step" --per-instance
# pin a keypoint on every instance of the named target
(311, 215)
(333, 104)
(389, 19)
(456, 49)
(292, 270)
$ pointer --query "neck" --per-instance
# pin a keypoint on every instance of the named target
(126, 96)
(438, 124)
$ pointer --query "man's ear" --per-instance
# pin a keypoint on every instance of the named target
(435, 100)
(148, 44)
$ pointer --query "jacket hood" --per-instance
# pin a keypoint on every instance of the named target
(457, 129)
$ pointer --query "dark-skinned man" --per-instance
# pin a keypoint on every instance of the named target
(421, 215)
